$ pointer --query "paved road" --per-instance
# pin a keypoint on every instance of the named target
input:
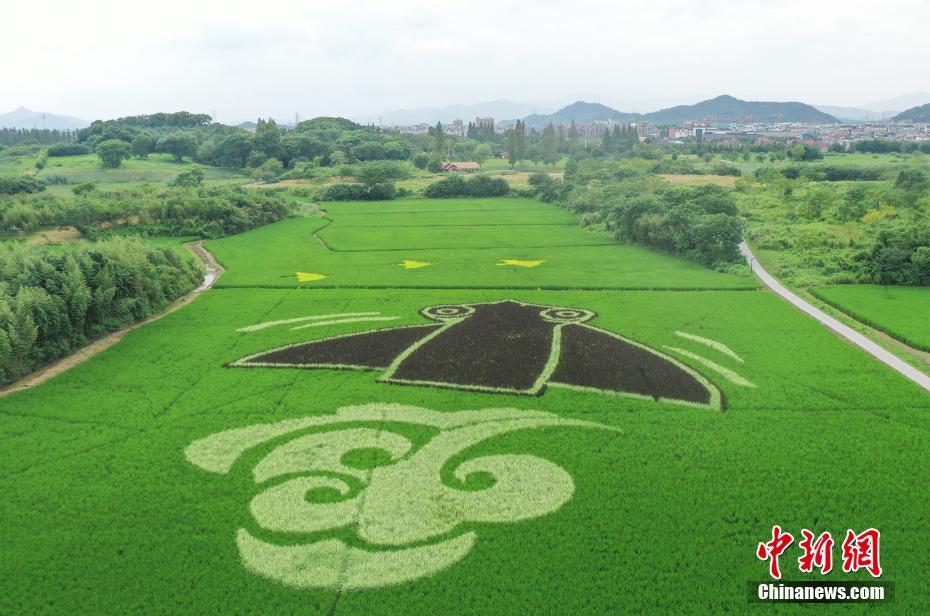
(843, 330)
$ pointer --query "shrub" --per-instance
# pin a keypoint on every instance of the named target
(487, 186)
(727, 170)
(355, 191)
(22, 184)
(452, 186)
(848, 173)
(476, 186)
(56, 179)
(545, 187)
(68, 149)
(420, 160)
(192, 178)
(113, 152)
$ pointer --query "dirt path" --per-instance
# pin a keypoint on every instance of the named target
(213, 271)
(861, 341)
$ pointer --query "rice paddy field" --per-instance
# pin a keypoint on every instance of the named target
(900, 312)
(387, 410)
(480, 243)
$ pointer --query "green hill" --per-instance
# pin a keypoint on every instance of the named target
(721, 109)
(580, 112)
(914, 114)
(729, 109)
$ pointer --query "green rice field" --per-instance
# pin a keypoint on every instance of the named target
(158, 477)
(900, 312)
(464, 242)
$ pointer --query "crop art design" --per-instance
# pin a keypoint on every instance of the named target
(506, 347)
(377, 503)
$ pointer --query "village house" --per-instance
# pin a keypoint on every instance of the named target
(459, 167)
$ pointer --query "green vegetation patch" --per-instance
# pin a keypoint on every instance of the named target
(901, 312)
(465, 242)
(327, 490)
(123, 422)
(157, 168)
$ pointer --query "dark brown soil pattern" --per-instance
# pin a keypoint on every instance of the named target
(503, 346)
(374, 350)
(591, 358)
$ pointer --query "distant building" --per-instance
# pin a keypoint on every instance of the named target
(459, 167)
(458, 127)
(484, 124)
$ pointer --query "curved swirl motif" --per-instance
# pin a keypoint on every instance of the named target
(375, 482)
(448, 312)
(567, 315)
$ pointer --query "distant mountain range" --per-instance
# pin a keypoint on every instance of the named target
(581, 112)
(856, 114)
(722, 109)
(900, 103)
(728, 109)
(878, 110)
(914, 114)
(24, 118)
(502, 108)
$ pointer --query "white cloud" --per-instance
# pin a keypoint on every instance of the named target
(102, 58)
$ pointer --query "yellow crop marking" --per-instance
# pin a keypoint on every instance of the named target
(408, 264)
(520, 263)
(309, 276)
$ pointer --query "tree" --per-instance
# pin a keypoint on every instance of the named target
(256, 159)
(177, 144)
(113, 152)
(420, 160)
(572, 135)
(803, 152)
(142, 144)
(396, 150)
(192, 178)
(233, 150)
(268, 137)
(482, 153)
(439, 140)
(911, 179)
(854, 205)
(516, 143)
(817, 202)
(550, 142)
(269, 170)
(920, 259)
(608, 141)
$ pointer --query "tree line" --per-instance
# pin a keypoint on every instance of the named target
(35, 136)
(53, 302)
(701, 223)
(185, 209)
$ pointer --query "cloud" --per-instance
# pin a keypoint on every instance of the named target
(103, 58)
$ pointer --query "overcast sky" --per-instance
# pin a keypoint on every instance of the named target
(95, 59)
